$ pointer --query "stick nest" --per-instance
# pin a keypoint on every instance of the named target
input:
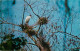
(28, 29)
(43, 20)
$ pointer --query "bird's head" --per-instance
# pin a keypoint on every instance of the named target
(29, 15)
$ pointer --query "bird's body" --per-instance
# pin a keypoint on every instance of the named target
(27, 19)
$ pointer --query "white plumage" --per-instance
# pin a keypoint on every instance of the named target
(27, 19)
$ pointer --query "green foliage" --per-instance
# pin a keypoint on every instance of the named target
(9, 43)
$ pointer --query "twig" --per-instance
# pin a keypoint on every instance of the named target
(67, 34)
(32, 9)
(5, 22)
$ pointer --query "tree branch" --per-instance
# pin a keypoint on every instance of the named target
(32, 9)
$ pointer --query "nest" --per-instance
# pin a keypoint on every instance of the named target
(28, 29)
(31, 32)
(43, 20)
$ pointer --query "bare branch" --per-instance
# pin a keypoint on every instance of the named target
(5, 22)
(67, 34)
(32, 9)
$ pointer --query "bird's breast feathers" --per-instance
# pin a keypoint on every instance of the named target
(27, 18)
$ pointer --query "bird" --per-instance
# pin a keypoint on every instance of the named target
(27, 19)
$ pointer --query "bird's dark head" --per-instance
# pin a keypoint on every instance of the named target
(30, 15)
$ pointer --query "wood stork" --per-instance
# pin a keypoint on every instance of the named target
(27, 19)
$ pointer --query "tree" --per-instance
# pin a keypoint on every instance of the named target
(50, 30)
